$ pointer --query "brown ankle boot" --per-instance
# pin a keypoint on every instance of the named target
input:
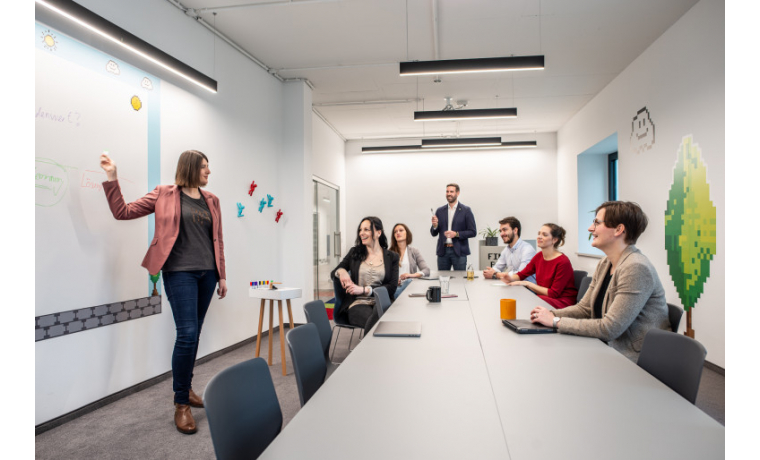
(195, 400)
(183, 418)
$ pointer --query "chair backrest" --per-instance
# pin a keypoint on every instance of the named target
(674, 314)
(676, 360)
(579, 275)
(244, 415)
(317, 314)
(382, 300)
(308, 361)
(583, 288)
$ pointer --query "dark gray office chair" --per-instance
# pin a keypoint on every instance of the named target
(676, 361)
(579, 275)
(382, 300)
(674, 314)
(340, 321)
(308, 360)
(583, 288)
(244, 415)
(317, 314)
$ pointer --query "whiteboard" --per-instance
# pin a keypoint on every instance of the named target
(87, 102)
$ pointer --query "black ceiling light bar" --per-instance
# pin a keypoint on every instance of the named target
(419, 148)
(110, 31)
(497, 64)
(461, 142)
(471, 114)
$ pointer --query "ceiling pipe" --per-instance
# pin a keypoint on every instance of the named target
(390, 101)
(271, 3)
(194, 14)
(434, 4)
(322, 117)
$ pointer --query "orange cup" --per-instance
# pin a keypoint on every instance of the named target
(508, 309)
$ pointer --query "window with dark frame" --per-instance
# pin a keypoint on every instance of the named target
(612, 176)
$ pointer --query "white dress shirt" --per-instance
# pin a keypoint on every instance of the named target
(452, 211)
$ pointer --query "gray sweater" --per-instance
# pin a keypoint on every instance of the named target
(634, 304)
(416, 262)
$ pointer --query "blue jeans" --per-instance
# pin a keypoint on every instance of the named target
(450, 258)
(189, 295)
(401, 287)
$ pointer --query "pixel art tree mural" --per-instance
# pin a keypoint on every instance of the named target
(690, 227)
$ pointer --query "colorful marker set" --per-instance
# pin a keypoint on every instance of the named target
(262, 284)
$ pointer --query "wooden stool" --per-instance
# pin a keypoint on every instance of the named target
(279, 295)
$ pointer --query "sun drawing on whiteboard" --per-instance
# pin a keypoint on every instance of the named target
(49, 41)
(136, 103)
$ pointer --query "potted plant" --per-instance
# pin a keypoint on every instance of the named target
(491, 236)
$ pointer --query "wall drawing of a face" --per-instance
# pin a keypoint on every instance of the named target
(642, 131)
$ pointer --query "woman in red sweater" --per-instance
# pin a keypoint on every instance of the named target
(555, 282)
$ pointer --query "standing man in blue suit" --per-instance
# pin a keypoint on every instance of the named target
(453, 225)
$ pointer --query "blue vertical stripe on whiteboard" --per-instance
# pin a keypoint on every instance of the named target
(154, 155)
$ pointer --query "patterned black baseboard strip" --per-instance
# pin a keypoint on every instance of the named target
(84, 319)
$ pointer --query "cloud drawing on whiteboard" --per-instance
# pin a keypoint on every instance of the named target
(146, 83)
(113, 67)
(136, 103)
(49, 40)
(642, 131)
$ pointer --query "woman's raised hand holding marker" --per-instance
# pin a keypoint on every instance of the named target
(108, 165)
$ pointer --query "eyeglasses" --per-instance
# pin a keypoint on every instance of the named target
(596, 222)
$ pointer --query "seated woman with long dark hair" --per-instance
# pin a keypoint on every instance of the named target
(368, 265)
(625, 298)
(555, 282)
(410, 259)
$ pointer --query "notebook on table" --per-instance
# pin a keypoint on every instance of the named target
(524, 326)
(398, 329)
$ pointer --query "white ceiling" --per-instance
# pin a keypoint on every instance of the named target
(349, 51)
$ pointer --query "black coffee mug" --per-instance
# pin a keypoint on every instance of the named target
(433, 294)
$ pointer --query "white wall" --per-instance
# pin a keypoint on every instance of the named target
(241, 130)
(296, 196)
(680, 79)
(329, 163)
(402, 187)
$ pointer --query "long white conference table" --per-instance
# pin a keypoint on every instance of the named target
(471, 388)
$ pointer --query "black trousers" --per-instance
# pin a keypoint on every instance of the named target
(363, 315)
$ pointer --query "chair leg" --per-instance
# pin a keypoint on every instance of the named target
(336, 343)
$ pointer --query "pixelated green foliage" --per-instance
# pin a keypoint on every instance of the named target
(155, 277)
(690, 232)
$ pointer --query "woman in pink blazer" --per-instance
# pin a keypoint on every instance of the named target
(189, 249)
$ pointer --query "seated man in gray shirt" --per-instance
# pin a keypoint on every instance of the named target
(515, 256)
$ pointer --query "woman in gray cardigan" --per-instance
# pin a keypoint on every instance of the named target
(625, 298)
(410, 259)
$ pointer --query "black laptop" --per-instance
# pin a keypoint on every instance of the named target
(524, 326)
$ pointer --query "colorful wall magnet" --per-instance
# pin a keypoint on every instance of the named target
(262, 203)
(253, 187)
(240, 210)
(269, 202)
(279, 214)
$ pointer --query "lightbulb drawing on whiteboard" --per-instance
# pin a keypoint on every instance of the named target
(136, 103)
(49, 41)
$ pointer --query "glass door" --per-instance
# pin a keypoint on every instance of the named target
(327, 238)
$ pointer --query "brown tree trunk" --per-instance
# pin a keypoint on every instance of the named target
(689, 332)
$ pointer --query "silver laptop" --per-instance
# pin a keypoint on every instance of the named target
(524, 326)
(398, 329)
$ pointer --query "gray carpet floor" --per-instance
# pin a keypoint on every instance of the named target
(141, 425)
